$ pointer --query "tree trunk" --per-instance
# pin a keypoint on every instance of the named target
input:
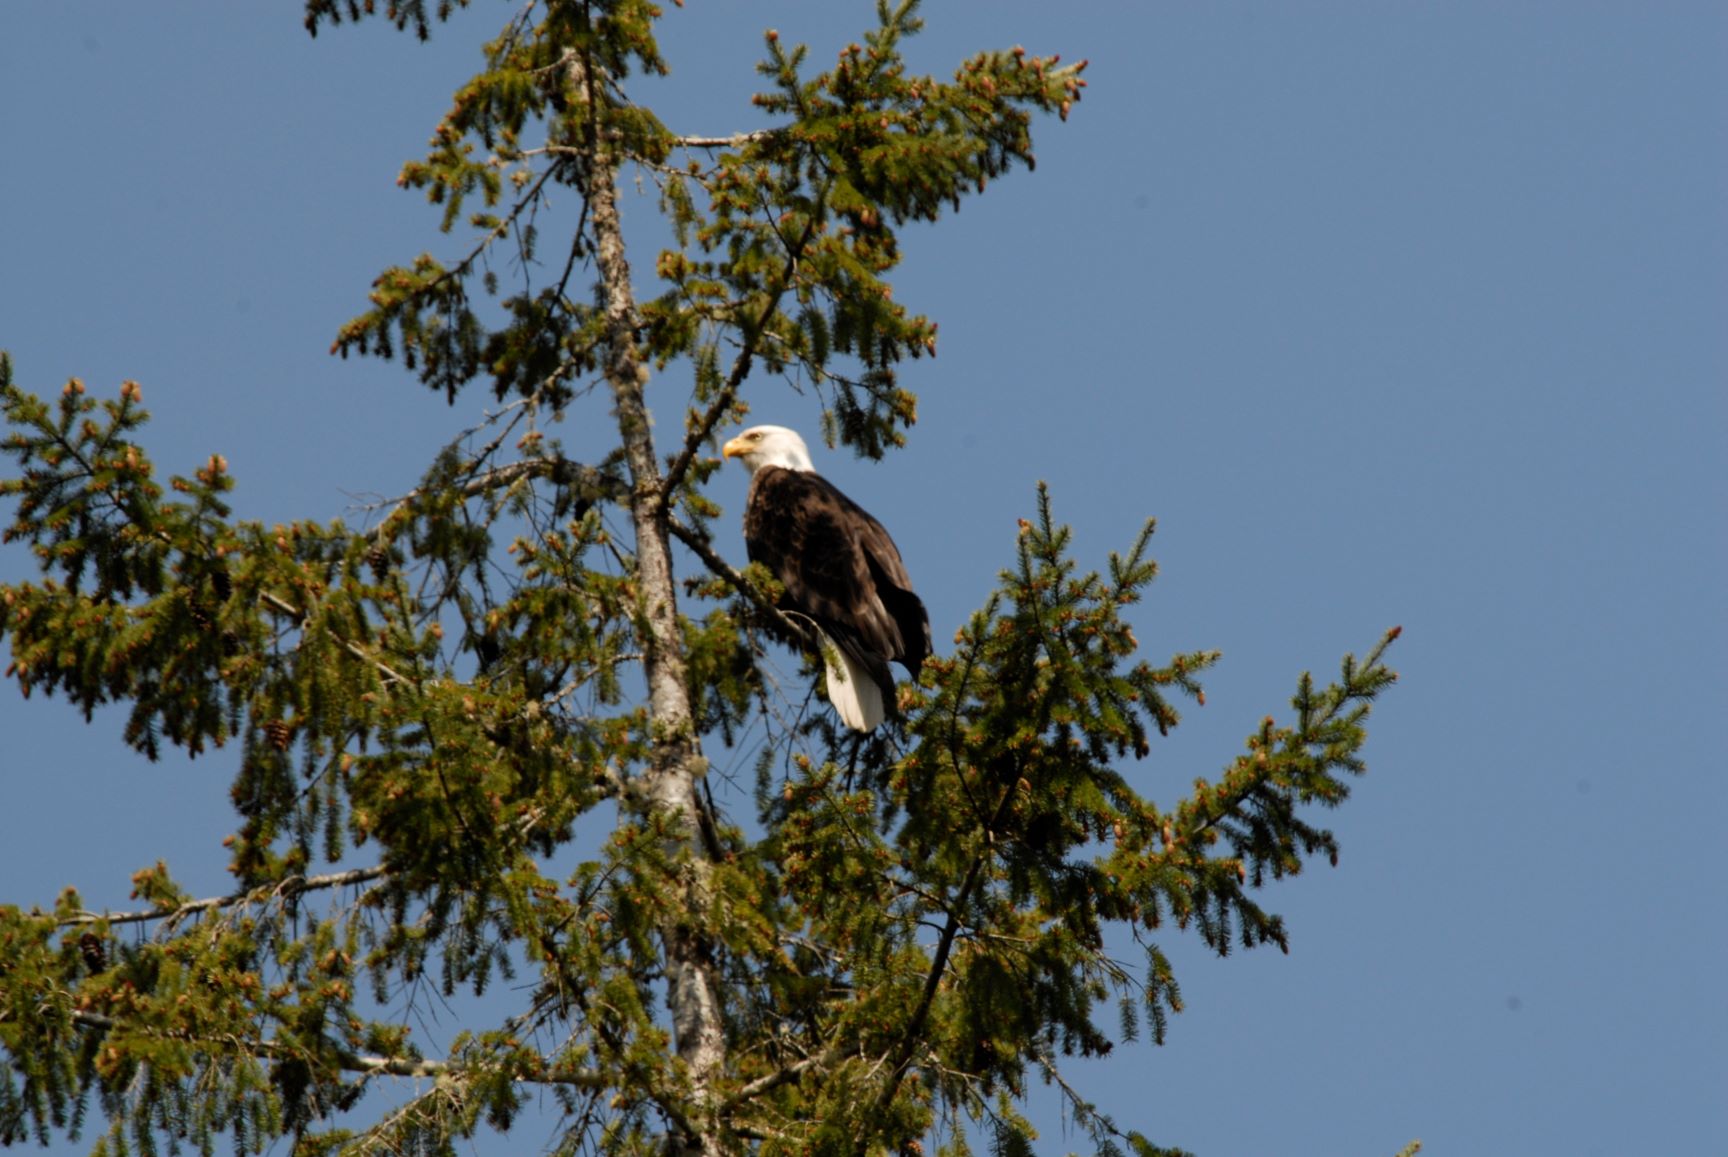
(668, 786)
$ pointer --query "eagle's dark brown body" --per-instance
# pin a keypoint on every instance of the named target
(839, 568)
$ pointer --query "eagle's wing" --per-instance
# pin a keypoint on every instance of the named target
(837, 563)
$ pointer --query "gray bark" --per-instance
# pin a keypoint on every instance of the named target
(668, 786)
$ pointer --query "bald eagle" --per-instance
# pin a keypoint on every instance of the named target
(839, 568)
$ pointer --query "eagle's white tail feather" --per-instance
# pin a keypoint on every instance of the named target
(851, 689)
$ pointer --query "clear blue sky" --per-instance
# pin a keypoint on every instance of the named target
(1390, 313)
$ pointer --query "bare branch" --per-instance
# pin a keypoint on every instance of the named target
(736, 140)
(293, 886)
(731, 142)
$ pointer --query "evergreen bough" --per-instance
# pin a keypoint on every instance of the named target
(513, 668)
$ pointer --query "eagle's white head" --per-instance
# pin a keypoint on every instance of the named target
(761, 446)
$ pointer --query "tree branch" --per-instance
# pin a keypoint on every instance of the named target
(364, 1063)
(391, 675)
(902, 1054)
(561, 471)
(293, 886)
(731, 142)
(722, 402)
(779, 1077)
(704, 550)
(736, 140)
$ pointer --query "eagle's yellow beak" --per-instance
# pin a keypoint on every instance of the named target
(735, 448)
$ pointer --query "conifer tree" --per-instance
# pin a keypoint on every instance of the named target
(472, 736)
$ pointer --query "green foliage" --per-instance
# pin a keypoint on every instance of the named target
(467, 697)
(783, 241)
(401, 13)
